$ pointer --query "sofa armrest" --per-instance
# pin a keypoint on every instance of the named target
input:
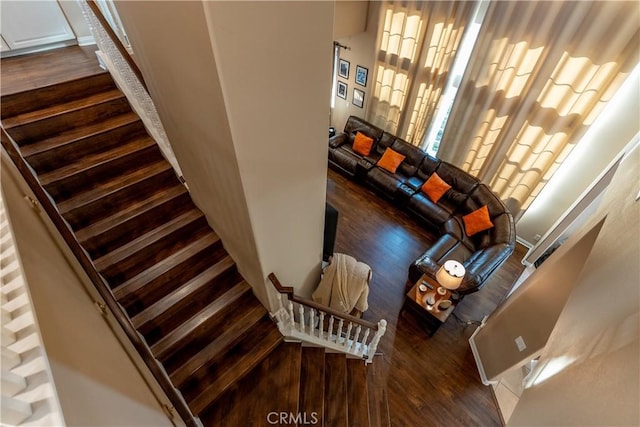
(482, 264)
(337, 140)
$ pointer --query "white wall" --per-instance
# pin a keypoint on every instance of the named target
(362, 53)
(96, 381)
(589, 373)
(241, 90)
(74, 16)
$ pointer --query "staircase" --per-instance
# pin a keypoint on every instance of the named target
(163, 264)
(298, 385)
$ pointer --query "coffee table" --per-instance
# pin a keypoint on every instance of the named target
(418, 302)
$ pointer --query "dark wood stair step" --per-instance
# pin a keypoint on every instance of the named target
(168, 344)
(111, 196)
(312, 377)
(33, 99)
(187, 294)
(52, 111)
(157, 281)
(222, 343)
(260, 341)
(137, 255)
(377, 392)
(357, 395)
(125, 225)
(92, 170)
(68, 146)
(335, 390)
(92, 111)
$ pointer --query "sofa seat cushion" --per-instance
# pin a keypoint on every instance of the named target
(384, 181)
(426, 209)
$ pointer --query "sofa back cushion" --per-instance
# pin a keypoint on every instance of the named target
(385, 142)
(413, 157)
(356, 124)
(427, 167)
(458, 179)
(504, 228)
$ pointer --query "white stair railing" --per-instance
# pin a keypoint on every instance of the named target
(314, 324)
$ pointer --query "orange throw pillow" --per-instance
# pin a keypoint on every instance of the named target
(435, 187)
(362, 144)
(477, 221)
(390, 160)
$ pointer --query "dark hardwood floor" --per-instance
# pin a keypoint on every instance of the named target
(431, 381)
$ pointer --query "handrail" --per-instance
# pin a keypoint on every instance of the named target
(116, 41)
(313, 331)
(105, 292)
(288, 291)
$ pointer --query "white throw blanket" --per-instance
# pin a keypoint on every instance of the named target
(344, 285)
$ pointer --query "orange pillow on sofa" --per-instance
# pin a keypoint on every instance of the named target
(390, 160)
(477, 221)
(435, 187)
(362, 144)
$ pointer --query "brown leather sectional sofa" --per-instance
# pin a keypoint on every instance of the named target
(481, 254)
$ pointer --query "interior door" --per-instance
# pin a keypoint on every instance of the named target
(33, 23)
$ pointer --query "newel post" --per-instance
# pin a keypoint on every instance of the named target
(382, 327)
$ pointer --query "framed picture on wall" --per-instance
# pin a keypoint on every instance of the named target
(358, 97)
(343, 68)
(361, 75)
(342, 90)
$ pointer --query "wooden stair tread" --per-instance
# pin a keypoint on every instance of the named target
(312, 378)
(232, 296)
(227, 339)
(357, 395)
(377, 393)
(110, 222)
(115, 185)
(190, 287)
(55, 110)
(79, 133)
(27, 100)
(335, 405)
(99, 159)
(147, 239)
(232, 369)
(140, 280)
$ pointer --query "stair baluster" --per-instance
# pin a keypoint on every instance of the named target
(346, 338)
(312, 319)
(301, 311)
(321, 326)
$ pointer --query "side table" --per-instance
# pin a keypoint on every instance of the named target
(419, 303)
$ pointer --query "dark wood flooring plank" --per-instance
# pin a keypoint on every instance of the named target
(312, 382)
(357, 393)
(335, 390)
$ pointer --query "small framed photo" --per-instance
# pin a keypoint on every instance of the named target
(361, 75)
(358, 97)
(343, 68)
(342, 90)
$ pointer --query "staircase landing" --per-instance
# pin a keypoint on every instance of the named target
(25, 72)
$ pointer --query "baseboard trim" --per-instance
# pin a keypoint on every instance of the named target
(86, 41)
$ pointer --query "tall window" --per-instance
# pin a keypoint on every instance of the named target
(417, 44)
(539, 74)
